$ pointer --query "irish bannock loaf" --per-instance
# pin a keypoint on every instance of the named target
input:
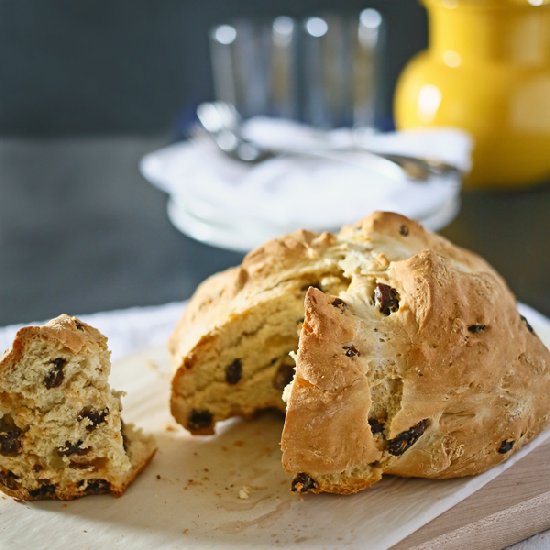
(61, 435)
(412, 359)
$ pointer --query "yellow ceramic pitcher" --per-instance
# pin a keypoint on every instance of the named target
(487, 71)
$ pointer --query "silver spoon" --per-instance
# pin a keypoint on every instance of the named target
(223, 124)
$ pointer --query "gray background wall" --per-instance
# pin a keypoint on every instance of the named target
(137, 66)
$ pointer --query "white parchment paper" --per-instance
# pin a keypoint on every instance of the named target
(227, 490)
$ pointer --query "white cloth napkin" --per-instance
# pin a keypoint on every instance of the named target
(282, 194)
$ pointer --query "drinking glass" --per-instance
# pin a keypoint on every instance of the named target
(320, 70)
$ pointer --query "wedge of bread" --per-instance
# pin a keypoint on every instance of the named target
(231, 347)
(61, 434)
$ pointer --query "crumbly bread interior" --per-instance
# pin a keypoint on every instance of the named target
(61, 434)
(240, 362)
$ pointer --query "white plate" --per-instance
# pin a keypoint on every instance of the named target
(205, 225)
(196, 503)
(252, 203)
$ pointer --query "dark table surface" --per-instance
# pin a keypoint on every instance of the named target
(81, 231)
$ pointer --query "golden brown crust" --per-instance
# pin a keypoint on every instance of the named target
(228, 292)
(326, 428)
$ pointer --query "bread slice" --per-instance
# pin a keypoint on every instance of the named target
(431, 373)
(61, 435)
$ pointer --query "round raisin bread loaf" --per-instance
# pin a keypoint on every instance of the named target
(412, 360)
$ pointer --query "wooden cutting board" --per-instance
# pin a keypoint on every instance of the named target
(507, 510)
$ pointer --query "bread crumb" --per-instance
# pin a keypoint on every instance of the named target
(152, 365)
(158, 476)
(286, 391)
(244, 493)
(186, 531)
(170, 428)
(238, 443)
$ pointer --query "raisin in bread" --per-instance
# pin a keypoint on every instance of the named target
(421, 369)
(61, 435)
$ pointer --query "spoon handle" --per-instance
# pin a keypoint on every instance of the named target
(416, 168)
